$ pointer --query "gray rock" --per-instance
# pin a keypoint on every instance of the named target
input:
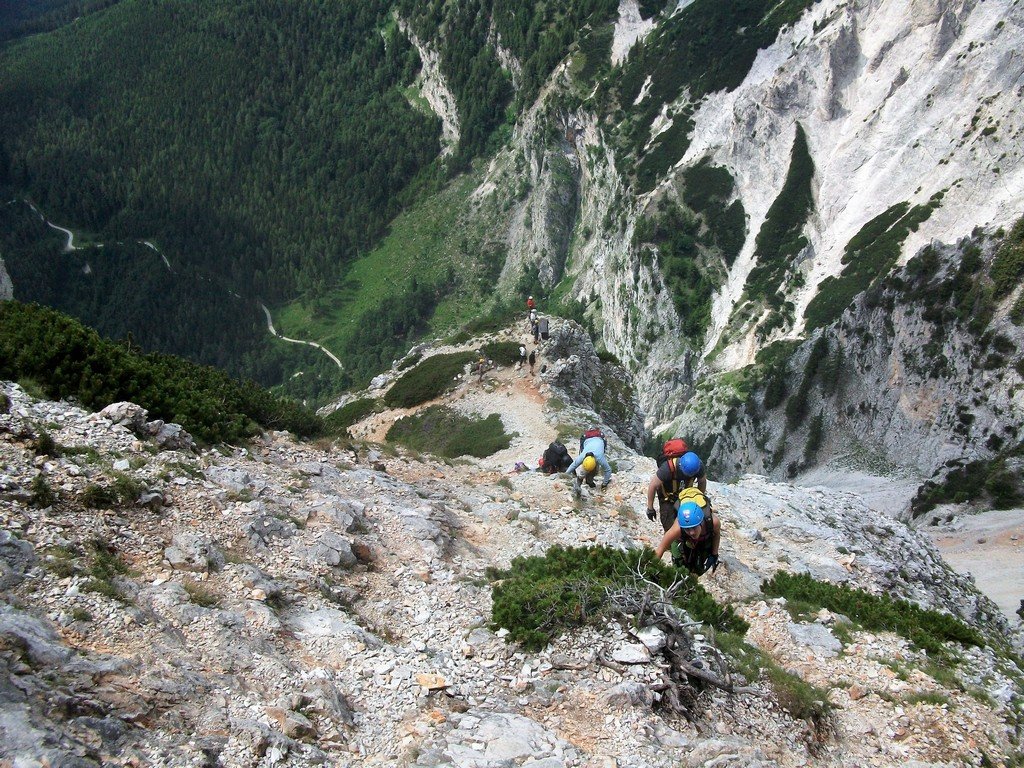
(41, 645)
(334, 549)
(193, 552)
(816, 637)
(345, 514)
(235, 480)
(254, 578)
(128, 415)
(653, 638)
(152, 499)
(16, 558)
(122, 465)
(629, 694)
(263, 530)
(631, 654)
(170, 437)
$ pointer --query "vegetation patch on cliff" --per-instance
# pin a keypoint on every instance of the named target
(781, 237)
(927, 629)
(870, 254)
(680, 244)
(429, 379)
(69, 360)
(445, 432)
(685, 53)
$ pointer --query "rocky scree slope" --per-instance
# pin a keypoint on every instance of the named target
(296, 604)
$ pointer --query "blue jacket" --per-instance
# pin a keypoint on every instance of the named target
(594, 445)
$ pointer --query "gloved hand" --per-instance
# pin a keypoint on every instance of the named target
(651, 514)
(711, 564)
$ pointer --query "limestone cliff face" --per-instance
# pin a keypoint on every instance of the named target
(900, 103)
(914, 375)
(6, 286)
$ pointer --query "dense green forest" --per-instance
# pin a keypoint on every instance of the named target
(30, 17)
(68, 360)
(125, 291)
(267, 142)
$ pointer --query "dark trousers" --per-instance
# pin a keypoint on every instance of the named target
(667, 513)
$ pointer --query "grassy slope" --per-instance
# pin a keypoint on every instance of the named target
(423, 243)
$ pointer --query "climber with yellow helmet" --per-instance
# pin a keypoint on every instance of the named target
(592, 448)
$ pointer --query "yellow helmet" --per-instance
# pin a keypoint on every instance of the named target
(589, 464)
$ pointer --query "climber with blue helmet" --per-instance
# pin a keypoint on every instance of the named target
(671, 477)
(591, 457)
(695, 535)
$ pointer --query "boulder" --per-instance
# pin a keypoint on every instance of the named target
(629, 694)
(264, 529)
(193, 552)
(128, 415)
(170, 437)
(334, 550)
(235, 480)
(16, 557)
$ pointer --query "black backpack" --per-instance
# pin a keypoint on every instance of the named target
(556, 458)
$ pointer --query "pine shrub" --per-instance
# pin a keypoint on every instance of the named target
(444, 432)
(927, 629)
(540, 597)
(431, 378)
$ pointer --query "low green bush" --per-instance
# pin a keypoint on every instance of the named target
(1008, 265)
(338, 422)
(69, 360)
(540, 597)
(502, 352)
(926, 629)
(444, 432)
(44, 445)
(42, 492)
(431, 378)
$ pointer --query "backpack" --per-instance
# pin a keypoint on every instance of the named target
(542, 326)
(592, 433)
(671, 449)
(674, 448)
(556, 458)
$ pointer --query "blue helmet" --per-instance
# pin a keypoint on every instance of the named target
(691, 464)
(690, 515)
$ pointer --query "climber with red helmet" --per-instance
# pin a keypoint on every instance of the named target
(695, 535)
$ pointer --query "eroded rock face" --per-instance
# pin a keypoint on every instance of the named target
(588, 382)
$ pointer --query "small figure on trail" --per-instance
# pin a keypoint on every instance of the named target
(672, 476)
(592, 448)
(522, 358)
(555, 459)
(533, 324)
(694, 536)
(479, 368)
(542, 330)
(530, 303)
(533, 360)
